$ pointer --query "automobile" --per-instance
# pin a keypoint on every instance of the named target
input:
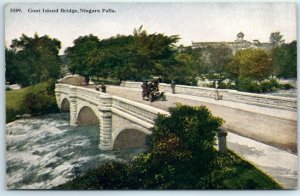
(151, 92)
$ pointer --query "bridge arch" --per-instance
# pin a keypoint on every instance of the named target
(65, 105)
(130, 137)
(87, 116)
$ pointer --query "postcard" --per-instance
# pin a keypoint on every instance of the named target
(151, 96)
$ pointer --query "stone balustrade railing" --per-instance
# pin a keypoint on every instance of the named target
(271, 101)
(141, 111)
(114, 103)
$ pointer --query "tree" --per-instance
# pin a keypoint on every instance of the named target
(183, 70)
(291, 59)
(254, 64)
(153, 53)
(219, 56)
(135, 57)
(181, 149)
(36, 58)
(284, 60)
(209, 59)
(112, 57)
(276, 39)
(78, 55)
(13, 73)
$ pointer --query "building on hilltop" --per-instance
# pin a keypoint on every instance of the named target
(238, 44)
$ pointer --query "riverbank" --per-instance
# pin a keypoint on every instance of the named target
(33, 100)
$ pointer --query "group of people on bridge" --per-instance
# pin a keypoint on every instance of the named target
(101, 87)
(148, 87)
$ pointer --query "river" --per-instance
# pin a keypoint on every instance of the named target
(43, 152)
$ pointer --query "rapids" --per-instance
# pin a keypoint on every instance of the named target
(43, 152)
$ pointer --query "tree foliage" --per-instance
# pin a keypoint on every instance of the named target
(41, 99)
(284, 60)
(77, 55)
(209, 59)
(276, 39)
(219, 56)
(32, 60)
(136, 56)
(13, 71)
(180, 153)
(254, 64)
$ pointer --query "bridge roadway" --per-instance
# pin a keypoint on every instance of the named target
(271, 126)
(278, 163)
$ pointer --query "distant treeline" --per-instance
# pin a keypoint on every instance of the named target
(143, 56)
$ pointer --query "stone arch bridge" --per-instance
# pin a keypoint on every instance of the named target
(126, 122)
(122, 122)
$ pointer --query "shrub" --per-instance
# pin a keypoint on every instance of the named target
(11, 114)
(107, 81)
(108, 176)
(41, 100)
(181, 152)
(286, 86)
(248, 85)
(269, 85)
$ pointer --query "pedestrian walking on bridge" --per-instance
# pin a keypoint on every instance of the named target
(103, 88)
(173, 86)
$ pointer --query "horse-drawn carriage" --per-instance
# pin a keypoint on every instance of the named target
(151, 91)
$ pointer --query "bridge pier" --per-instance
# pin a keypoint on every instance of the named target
(73, 107)
(105, 118)
(105, 130)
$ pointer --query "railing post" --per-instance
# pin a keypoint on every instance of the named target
(222, 140)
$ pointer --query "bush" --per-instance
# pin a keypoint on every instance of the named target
(222, 85)
(248, 85)
(107, 81)
(41, 100)
(286, 86)
(108, 176)
(269, 85)
(11, 114)
(179, 152)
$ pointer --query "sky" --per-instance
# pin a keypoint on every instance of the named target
(198, 22)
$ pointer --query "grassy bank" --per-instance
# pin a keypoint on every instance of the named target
(237, 173)
(34, 100)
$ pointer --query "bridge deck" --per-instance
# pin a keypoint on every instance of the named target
(135, 95)
(243, 119)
